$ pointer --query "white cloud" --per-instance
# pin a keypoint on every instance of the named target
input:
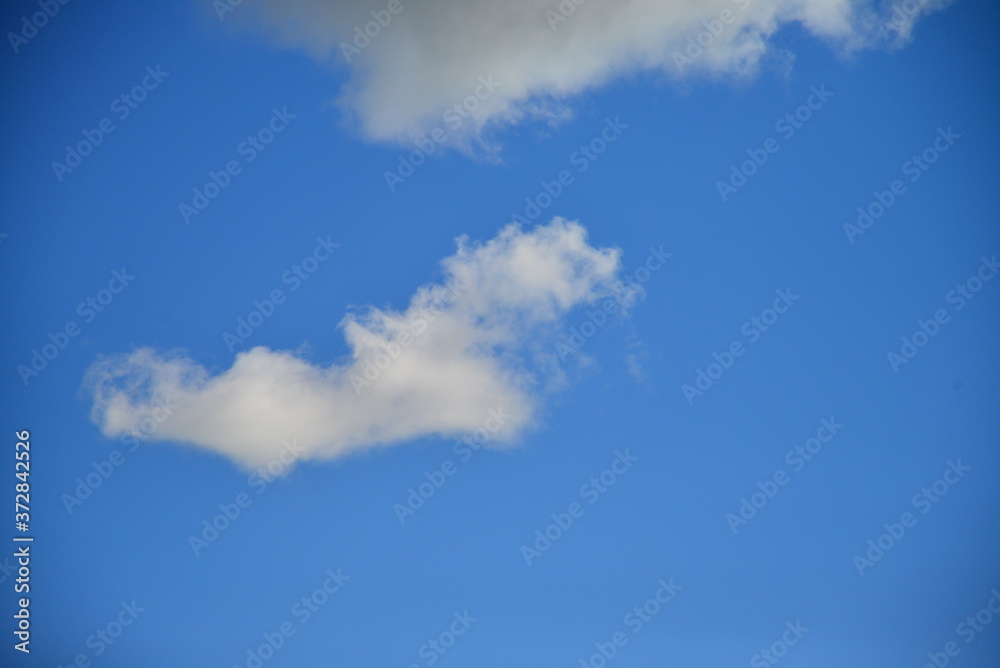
(430, 55)
(475, 342)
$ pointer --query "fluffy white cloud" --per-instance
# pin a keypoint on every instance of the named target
(414, 64)
(476, 342)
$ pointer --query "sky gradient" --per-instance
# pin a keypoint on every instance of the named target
(664, 417)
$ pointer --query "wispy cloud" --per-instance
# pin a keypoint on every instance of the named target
(410, 60)
(478, 340)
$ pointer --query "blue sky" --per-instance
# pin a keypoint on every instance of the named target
(311, 220)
